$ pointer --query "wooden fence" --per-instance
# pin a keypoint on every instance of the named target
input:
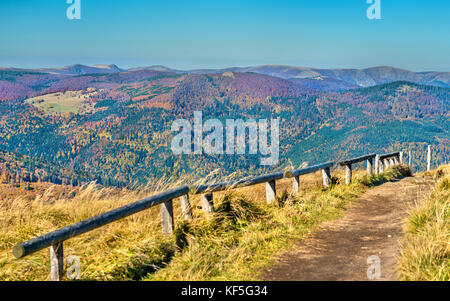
(54, 240)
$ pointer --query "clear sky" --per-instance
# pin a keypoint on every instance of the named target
(187, 34)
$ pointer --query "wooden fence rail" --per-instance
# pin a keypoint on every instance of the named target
(388, 160)
(269, 179)
(55, 239)
(348, 166)
(295, 174)
(208, 189)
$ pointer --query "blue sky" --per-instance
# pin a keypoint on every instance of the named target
(188, 34)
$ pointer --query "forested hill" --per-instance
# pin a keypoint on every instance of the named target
(115, 127)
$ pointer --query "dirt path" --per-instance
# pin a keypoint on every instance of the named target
(371, 226)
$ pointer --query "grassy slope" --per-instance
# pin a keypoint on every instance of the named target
(234, 244)
(426, 251)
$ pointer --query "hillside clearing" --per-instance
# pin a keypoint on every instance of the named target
(64, 102)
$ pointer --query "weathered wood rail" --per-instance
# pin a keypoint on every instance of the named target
(270, 179)
(388, 160)
(54, 240)
(348, 166)
(295, 174)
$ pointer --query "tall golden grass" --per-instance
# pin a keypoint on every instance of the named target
(426, 249)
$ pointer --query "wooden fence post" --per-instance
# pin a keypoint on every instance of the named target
(56, 262)
(385, 164)
(296, 184)
(377, 164)
(369, 166)
(271, 191)
(409, 159)
(326, 176)
(207, 202)
(167, 217)
(429, 158)
(348, 174)
(186, 209)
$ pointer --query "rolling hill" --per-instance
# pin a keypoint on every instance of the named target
(360, 77)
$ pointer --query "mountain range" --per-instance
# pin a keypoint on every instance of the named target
(338, 79)
(81, 123)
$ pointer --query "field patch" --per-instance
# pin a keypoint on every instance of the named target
(64, 102)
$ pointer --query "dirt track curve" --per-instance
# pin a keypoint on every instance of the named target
(339, 249)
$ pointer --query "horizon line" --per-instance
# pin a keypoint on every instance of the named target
(97, 65)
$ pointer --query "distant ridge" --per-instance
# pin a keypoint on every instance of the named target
(359, 77)
(336, 79)
(156, 68)
(76, 69)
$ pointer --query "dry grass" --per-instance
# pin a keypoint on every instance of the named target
(233, 244)
(64, 102)
(426, 251)
(101, 250)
